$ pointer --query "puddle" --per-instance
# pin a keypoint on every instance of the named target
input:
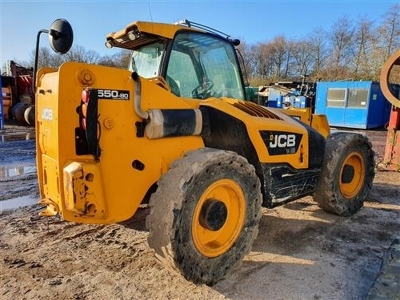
(14, 203)
(17, 136)
(19, 170)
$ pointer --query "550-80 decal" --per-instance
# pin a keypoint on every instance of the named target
(113, 94)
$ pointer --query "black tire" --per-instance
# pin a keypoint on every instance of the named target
(347, 173)
(205, 237)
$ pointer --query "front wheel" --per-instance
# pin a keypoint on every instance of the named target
(205, 214)
(347, 173)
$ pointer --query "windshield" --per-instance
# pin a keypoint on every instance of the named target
(146, 60)
(203, 66)
(199, 66)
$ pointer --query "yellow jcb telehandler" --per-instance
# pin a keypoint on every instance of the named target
(174, 129)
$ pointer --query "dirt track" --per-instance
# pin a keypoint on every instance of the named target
(301, 252)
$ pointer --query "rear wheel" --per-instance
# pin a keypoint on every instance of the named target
(205, 214)
(347, 173)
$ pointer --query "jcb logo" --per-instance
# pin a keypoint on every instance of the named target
(282, 140)
(47, 114)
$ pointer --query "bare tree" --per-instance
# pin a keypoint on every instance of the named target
(80, 54)
(118, 60)
(317, 41)
(280, 56)
(261, 61)
(345, 50)
(341, 37)
(302, 58)
(47, 58)
(363, 39)
(389, 31)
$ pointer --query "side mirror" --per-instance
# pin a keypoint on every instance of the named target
(60, 39)
(61, 36)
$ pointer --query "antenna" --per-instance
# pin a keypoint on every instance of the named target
(151, 17)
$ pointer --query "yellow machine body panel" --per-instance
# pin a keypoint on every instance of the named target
(105, 136)
(318, 122)
(112, 188)
(175, 129)
(255, 124)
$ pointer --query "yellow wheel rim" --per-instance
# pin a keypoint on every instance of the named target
(352, 175)
(218, 218)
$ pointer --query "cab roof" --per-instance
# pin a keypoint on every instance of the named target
(139, 33)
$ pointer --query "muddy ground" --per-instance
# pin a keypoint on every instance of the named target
(301, 251)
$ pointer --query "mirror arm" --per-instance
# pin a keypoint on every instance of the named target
(36, 57)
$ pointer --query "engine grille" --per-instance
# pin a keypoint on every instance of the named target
(256, 110)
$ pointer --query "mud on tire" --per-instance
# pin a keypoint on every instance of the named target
(347, 173)
(205, 213)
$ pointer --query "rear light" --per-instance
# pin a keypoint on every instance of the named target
(83, 124)
(85, 96)
(84, 109)
(87, 135)
(84, 104)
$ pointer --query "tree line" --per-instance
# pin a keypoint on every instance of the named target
(48, 58)
(348, 50)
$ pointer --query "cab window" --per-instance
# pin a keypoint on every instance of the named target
(146, 60)
(202, 66)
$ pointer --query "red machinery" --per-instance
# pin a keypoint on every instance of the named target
(17, 93)
(391, 70)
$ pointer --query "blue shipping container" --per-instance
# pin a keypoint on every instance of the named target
(352, 104)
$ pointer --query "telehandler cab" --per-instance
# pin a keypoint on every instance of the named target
(174, 129)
